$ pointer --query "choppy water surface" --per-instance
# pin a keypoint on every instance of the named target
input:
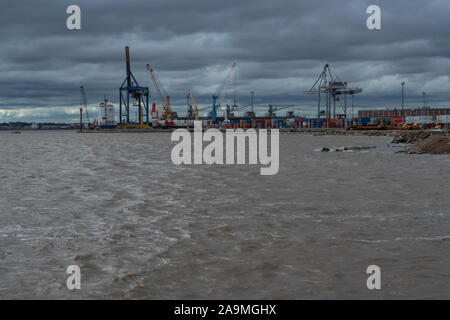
(141, 227)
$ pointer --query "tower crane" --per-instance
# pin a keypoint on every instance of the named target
(165, 103)
(84, 103)
(219, 95)
(194, 103)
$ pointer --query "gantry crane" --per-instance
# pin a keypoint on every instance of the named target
(194, 103)
(165, 102)
(130, 89)
(219, 95)
(321, 86)
(84, 103)
(332, 87)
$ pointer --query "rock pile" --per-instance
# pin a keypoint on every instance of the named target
(434, 145)
(410, 136)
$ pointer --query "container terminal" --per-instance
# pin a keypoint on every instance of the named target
(332, 94)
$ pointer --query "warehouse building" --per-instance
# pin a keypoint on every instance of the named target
(388, 113)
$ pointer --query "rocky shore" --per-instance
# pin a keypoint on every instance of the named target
(434, 142)
(418, 141)
(433, 145)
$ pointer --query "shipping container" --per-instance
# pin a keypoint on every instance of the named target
(395, 121)
(443, 119)
(364, 121)
(410, 120)
(424, 119)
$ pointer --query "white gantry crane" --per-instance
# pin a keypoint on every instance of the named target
(332, 87)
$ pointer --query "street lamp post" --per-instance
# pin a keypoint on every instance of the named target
(403, 99)
(253, 113)
(403, 95)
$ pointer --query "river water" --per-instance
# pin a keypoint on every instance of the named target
(140, 227)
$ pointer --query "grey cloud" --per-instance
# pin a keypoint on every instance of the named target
(280, 47)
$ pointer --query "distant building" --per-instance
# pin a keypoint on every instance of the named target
(388, 113)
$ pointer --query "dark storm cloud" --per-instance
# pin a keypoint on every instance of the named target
(280, 47)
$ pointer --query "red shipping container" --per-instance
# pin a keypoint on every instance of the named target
(397, 120)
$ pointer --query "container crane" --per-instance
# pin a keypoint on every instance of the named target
(332, 87)
(84, 103)
(219, 95)
(321, 86)
(194, 103)
(130, 89)
(165, 103)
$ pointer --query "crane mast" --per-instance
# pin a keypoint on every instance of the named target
(194, 103)
(83, 96)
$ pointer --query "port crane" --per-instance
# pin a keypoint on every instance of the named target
(130, 89)
(272, 109)
(219, 95)
(165, 103)
(84, 104)
(194, 103)
(190, 108)
(332, 87)
(321, 86)
(229, 111)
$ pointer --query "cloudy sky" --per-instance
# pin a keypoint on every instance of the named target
(280, 48)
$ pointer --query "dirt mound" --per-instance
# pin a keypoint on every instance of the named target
(410, 136)
(435, 145)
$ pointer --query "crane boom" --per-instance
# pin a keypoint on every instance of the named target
(164, 103)
(83, 96)
(219, 96)
(194, 103)
(222, 89)
(157, 87)
(239, 108)
(278, 108)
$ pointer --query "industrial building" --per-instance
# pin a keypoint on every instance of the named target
(395, 117)
(388, 113)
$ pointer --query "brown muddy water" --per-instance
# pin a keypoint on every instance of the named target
(140, 227)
